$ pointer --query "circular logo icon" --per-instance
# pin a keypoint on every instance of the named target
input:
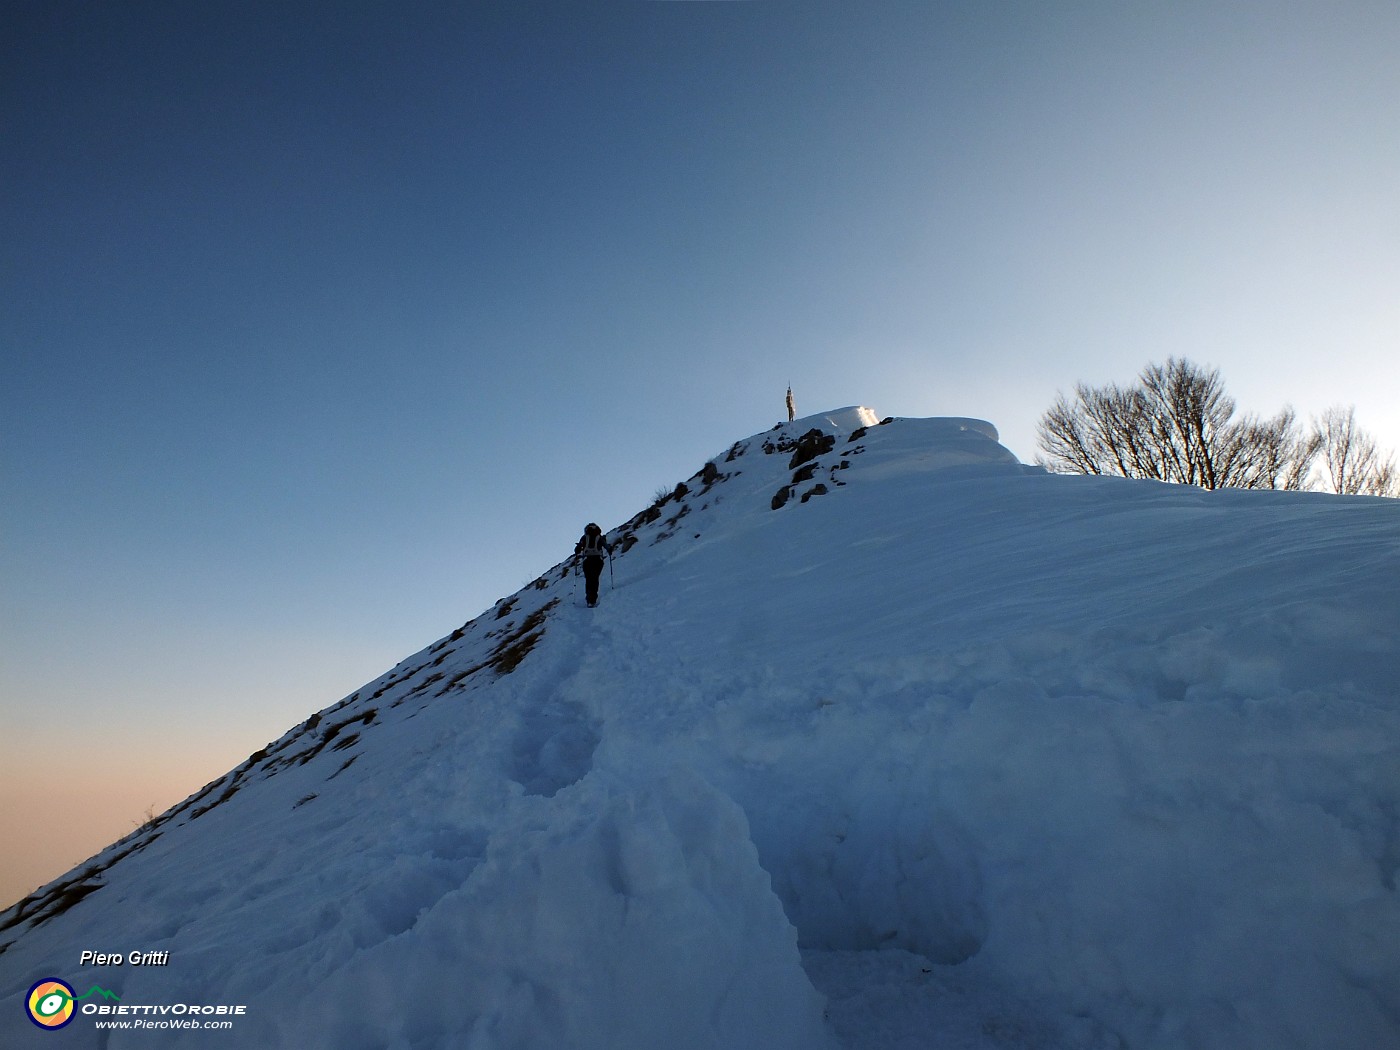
(50, 1003)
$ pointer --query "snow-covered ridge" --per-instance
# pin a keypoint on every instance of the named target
(494, 643)
(839, 421)
(951, 752)
(843, 421)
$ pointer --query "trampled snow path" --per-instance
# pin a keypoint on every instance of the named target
(878, 726)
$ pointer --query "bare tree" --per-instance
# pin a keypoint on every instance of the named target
(1352, 463)
(1175, 424)
(1188, 417)
(1100, 432)
(1268, 454)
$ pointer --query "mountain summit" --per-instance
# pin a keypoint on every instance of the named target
(878, 738)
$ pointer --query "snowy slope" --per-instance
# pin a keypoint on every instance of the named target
(882, 739)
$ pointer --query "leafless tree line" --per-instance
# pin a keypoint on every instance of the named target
(1176, 423)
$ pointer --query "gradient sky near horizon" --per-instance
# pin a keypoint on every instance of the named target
(325, 325)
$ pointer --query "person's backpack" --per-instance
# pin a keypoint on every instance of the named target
(592, 545)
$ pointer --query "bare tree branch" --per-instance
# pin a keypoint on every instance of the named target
(1176, 424)
(1352, 463)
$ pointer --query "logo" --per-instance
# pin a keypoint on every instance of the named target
(50, 1002)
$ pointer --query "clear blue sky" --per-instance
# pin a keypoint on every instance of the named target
(324, 325)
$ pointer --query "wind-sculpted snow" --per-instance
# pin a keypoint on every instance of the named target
(952, 753)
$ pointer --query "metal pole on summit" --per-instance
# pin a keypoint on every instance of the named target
(791, 405)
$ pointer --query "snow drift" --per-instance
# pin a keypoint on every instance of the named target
(882, 739)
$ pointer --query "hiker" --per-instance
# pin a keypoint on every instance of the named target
(592, 547)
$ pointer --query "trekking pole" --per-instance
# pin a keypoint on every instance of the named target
(612, 583)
